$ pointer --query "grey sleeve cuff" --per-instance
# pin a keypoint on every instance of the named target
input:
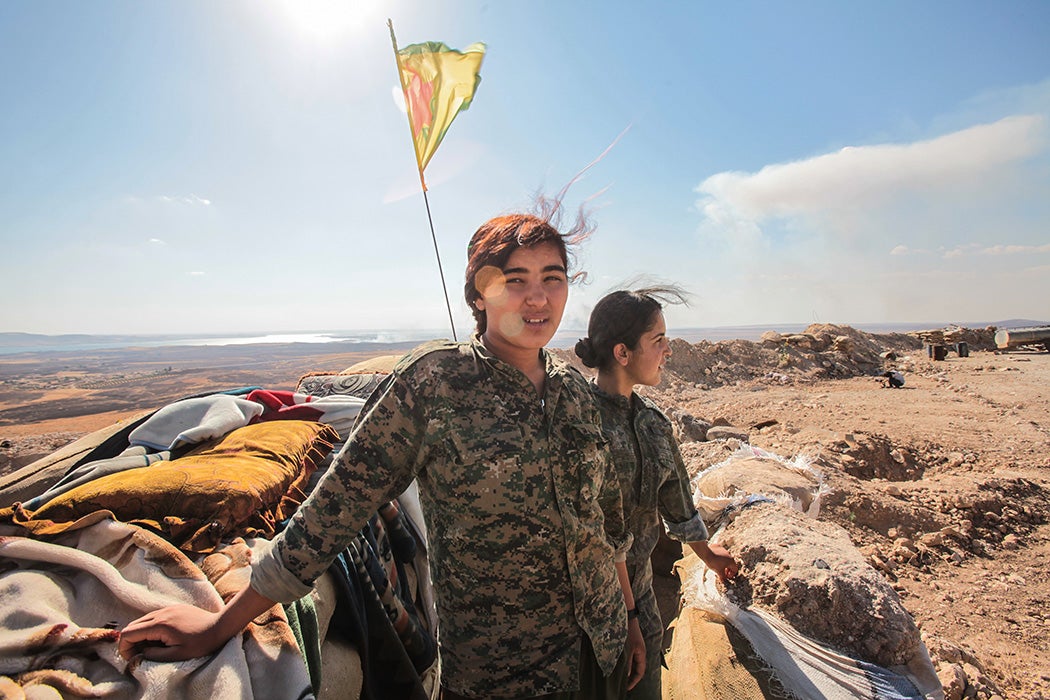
(623, 546)
(692, 530)
(271, 579)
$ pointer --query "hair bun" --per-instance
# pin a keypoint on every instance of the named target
(585, 351)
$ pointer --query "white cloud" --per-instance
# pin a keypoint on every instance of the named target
(868, 175)
(996, 250)
(191, 200)
(960, 251)
(196, 273)
(1015, 249)
(963, 207)
(157, 241)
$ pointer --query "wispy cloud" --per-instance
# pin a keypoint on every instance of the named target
(196, 273)
(1015, 249)
(997, 250)
(191, 200)
(157, 241)
(905, 250)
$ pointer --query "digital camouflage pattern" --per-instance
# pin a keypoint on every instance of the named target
(523, 523)
(655, 495)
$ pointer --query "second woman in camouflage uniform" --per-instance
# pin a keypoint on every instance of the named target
(627, 342)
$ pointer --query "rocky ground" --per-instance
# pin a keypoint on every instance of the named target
(942, 485)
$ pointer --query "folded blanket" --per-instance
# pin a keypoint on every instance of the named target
(242, 484)
(63, 598)
(131, 458)
(191, 421)
(336, 410)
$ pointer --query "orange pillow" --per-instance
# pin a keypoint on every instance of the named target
(243, 483)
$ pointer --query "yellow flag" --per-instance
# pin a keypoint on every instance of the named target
(438, 83)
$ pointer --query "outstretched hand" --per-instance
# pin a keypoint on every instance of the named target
(174, 633)
(718, 559)
(723, 563)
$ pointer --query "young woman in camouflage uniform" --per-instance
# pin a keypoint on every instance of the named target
(522, 505)
(627, 343)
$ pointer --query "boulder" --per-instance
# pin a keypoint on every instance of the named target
(725, 432)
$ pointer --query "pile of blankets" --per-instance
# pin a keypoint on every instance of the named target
(170, 513)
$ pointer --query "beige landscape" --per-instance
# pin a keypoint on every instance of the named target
(941, 484)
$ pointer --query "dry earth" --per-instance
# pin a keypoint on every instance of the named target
(49, 399)
(943, 485)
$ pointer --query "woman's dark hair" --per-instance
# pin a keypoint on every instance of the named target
(493, 243)
(622, 317)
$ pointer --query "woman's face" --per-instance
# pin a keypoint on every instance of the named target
(645, 364)
(523, 302)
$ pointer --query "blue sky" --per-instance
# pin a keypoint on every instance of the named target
(242, 166)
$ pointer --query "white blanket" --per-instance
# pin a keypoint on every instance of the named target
(190, 421)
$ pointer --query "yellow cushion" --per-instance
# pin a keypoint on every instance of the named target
(241, 484)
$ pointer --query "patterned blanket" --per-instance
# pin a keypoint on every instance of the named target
(63, 598)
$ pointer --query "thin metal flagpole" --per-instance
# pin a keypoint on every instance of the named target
(441, 272)
(422, 182)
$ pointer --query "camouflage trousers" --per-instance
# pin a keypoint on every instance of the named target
(593, 684)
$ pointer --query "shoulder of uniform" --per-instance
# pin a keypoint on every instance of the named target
(571, 376)
(658, 412)
(425, 350)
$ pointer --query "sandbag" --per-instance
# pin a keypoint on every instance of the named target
(752, 472)
(709, 659)
(802, 666)
(806, 600)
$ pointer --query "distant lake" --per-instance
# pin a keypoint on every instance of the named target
(14, 343)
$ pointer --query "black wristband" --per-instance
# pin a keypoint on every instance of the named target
(632, 614)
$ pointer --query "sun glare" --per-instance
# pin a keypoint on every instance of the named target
(328, 20)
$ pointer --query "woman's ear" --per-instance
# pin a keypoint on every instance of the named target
(479, 304)
(621, 354)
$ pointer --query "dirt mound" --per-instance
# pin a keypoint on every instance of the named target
(822, 351)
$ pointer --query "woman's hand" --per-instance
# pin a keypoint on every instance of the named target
(718, 559)
(635, 653)
(724, 565)
(183, 632)
(174, 633)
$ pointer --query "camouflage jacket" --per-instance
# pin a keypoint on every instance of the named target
(653, 479)
(522, 508)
